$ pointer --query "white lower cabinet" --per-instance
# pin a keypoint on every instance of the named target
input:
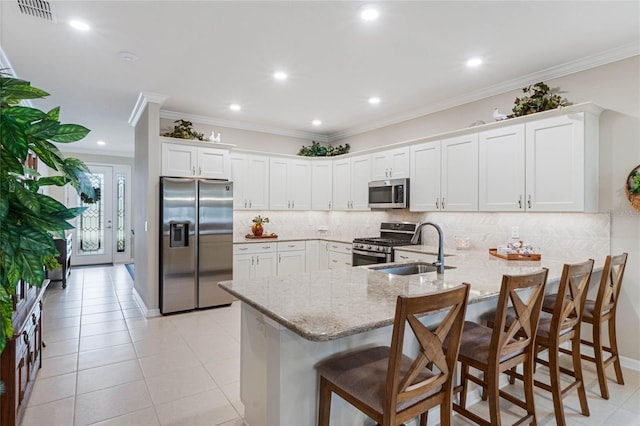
(254, 260)
(340, 255)
(291, 257)
(317, 255)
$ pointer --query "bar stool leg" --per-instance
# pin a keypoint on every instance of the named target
(464, 372)
(598, 355)
(577, 371)
(613, 341)
(492, 378)
(324, 406)
(527, 372)
(556, 386)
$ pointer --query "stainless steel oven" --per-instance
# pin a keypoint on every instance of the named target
(375, 250)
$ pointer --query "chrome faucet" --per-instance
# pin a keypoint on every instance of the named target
(417, 237)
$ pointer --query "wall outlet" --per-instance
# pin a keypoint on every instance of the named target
(515, 232)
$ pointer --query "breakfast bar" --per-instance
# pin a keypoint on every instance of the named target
(289, 323)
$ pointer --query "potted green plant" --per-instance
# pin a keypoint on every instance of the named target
(184, 130)
(633, 188)
(537, 98)
(257, 228)
(29, 220)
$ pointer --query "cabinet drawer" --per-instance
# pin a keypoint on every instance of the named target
(406, 256)
(291, 245)
(254, 248)
(340, 247)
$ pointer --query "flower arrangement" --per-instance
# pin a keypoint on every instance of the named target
(260, 220)
(317, 150)
(538, 97)
(184, 130)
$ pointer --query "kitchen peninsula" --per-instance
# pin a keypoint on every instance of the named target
(291, 322)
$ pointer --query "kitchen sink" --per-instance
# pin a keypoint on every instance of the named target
(410, 268)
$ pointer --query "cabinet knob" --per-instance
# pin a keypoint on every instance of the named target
(33, 319)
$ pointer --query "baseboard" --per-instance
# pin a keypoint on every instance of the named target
(148, 313)
(630, 363)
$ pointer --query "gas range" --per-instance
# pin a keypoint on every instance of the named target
(371, 250)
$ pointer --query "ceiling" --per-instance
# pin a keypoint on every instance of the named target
(205, 55)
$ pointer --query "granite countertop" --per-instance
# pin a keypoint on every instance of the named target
(284, 239)
(326, 305)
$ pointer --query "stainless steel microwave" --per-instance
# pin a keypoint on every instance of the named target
(389, 194)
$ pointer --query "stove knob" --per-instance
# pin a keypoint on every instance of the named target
(369, 247)
(380, 248)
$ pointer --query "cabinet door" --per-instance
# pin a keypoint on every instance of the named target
(243, 266)
(179, 160)
(278, 181)
(323, 256)
(380, 165)
(239, 179)
(291, 262)
(214, 163)
(265, 265)
(459, 185)
(424, 186)
(555, 160)
(257, 187)
(360, 177)
(321, 184)
(399, 164)
(341, 184)
(299, 184)
(501, 169)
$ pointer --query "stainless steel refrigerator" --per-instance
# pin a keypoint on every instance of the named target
(196, 249)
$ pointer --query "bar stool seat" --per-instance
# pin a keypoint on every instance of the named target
(391, 387)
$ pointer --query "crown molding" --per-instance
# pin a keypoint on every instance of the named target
(70, 150)
(571, 67)
(145, 98)
(244, 126)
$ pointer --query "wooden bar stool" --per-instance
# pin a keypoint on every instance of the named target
(603, 309)
(387, 385)
(494, 350)
(560, 326)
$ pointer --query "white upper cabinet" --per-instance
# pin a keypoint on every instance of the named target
(424, 186)
(444, 175)
(562, 164)
(501, 169)
(321, 184)
(390, 164)
(351, 178)
(180, 160)
(459, 174)
(546, 165)
(250, 176)
(289, 184)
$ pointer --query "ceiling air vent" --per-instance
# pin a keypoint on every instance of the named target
(38, 9)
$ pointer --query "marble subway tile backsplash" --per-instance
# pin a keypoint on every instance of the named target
(553, 233)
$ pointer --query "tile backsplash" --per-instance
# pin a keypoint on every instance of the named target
(553, 233)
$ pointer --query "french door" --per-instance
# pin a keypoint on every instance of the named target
(101, 231)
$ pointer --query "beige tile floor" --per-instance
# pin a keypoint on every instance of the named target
(106, 364)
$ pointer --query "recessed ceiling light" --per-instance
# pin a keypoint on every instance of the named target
(369, 12)
(474, 62)
(374, 100)
(280, 75)
(79, 25)
(235, 107)
(101, 143)
(128, 56)
(316, 122)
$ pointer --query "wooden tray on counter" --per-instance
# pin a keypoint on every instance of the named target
(261, 237)
(515, 256)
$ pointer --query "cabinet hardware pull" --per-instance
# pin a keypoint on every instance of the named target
(279, 258)
(520, 201)
(193, 170)
(291, 245)
(199, 170)
(442, 203)
(404, 257)
(33, 319)
(257, 260)
(529, 201)
(249, 203)
(288, 204)
(243, 248)
(437, 203)
(245, 204)
(329, 205)
(293, 204)
(25, 337)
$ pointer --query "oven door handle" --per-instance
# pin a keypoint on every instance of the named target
(369, 253)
